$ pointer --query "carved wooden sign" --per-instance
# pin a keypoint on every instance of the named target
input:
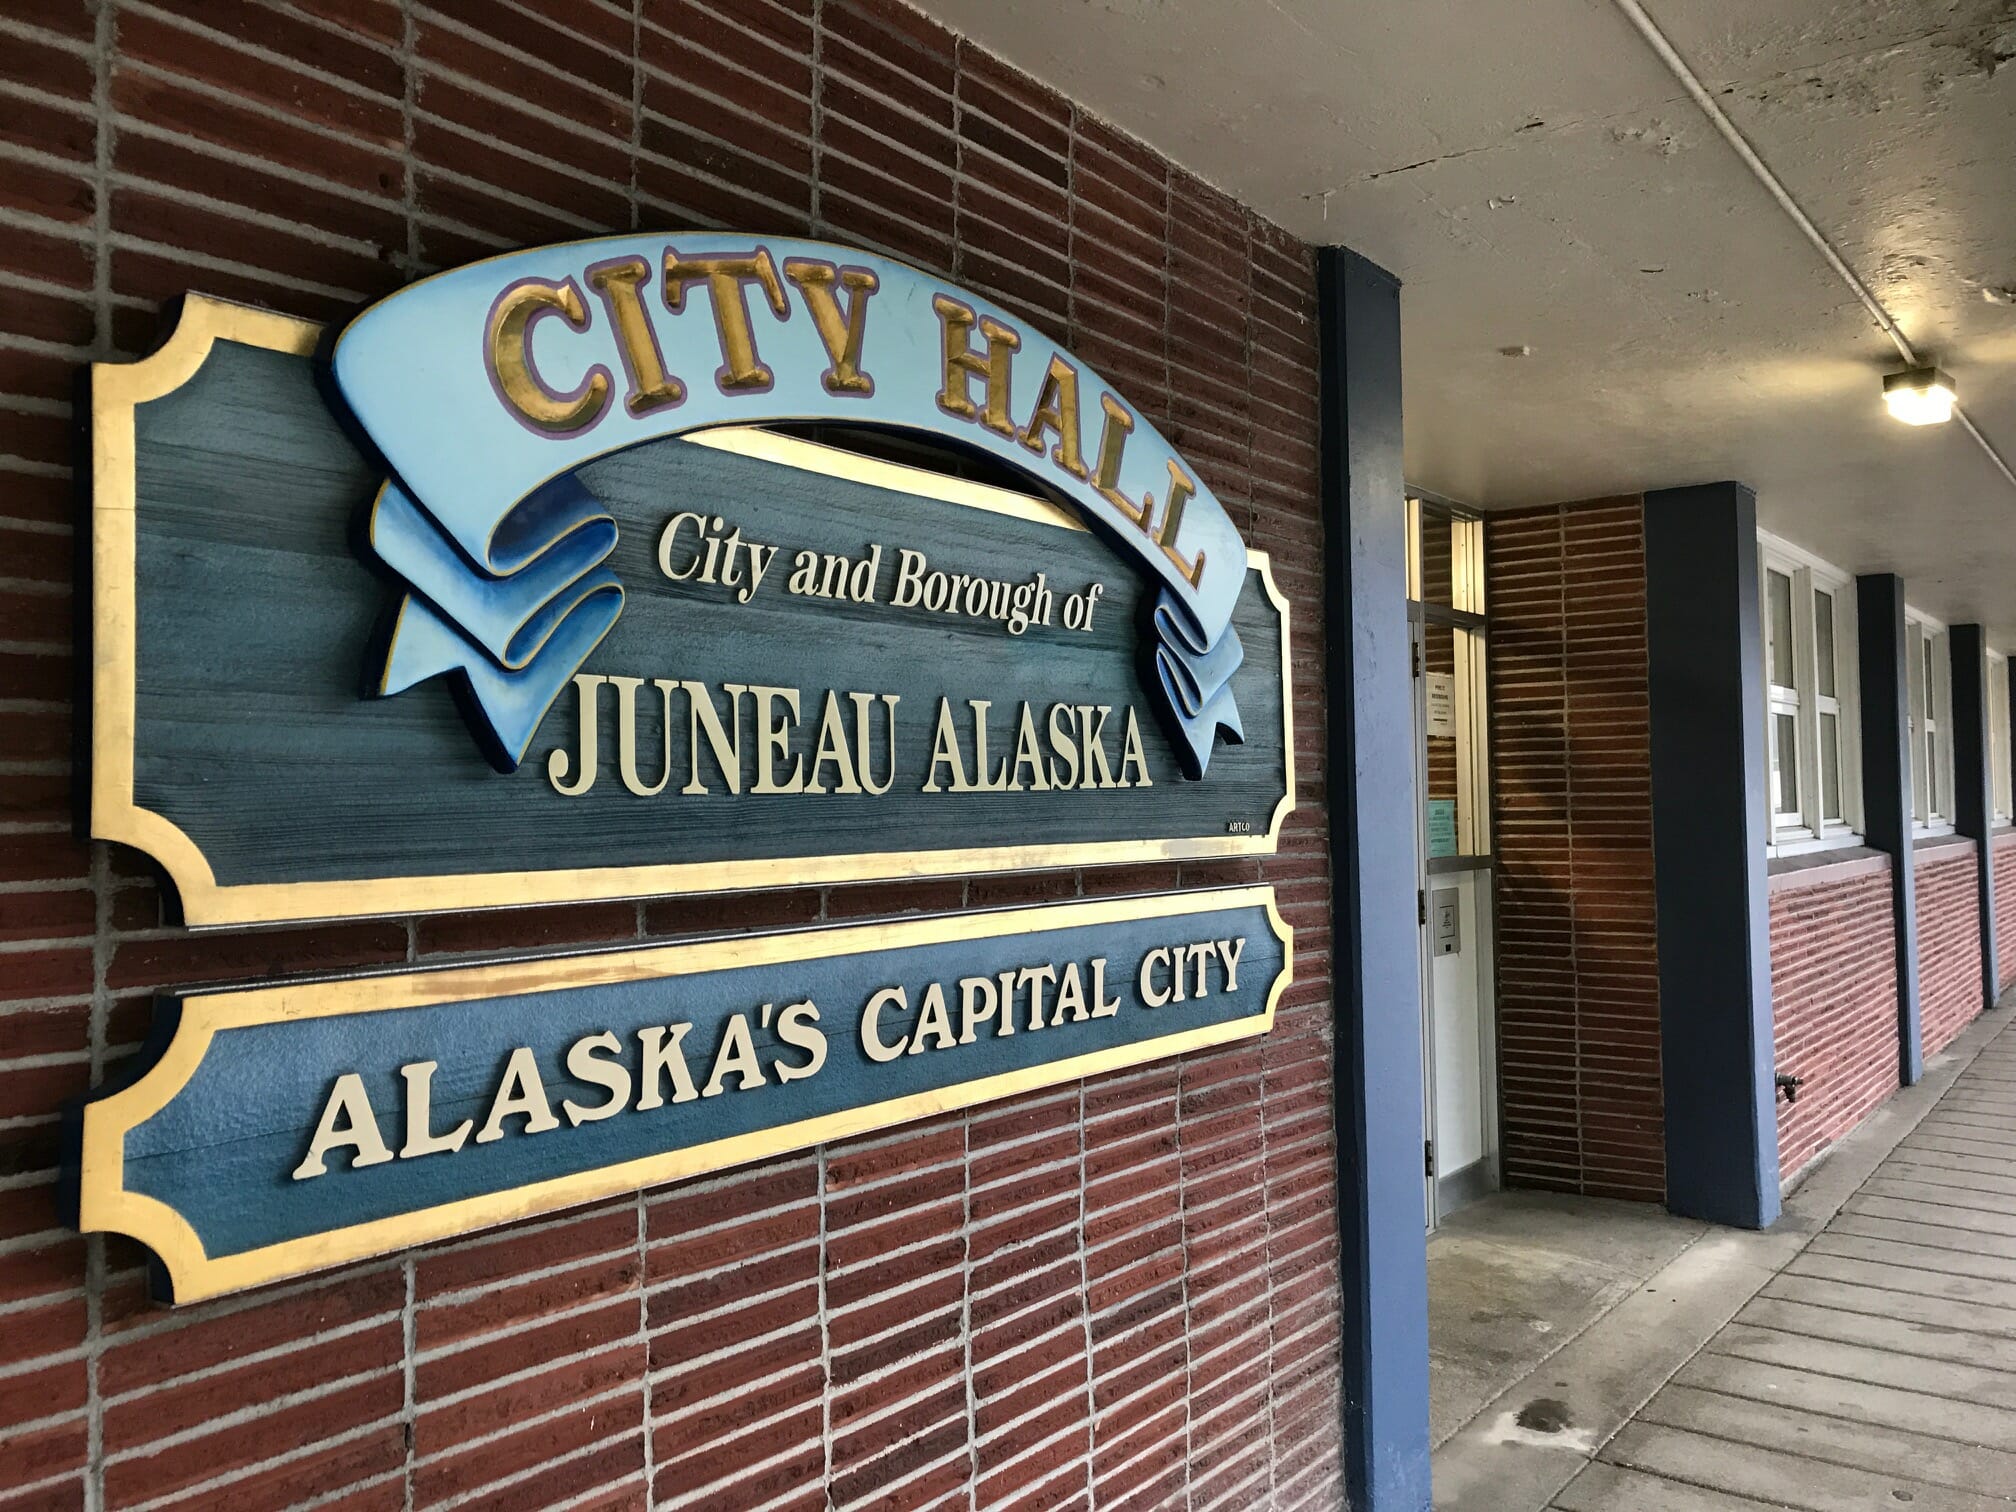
(286, 1127)
(519, 592)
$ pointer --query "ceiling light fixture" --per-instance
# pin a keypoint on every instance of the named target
(1920, 396)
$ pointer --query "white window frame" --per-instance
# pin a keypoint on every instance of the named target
(1786, 702)
(2002, 792)
(1466, 572)
(1807, 828)
(1926, 640)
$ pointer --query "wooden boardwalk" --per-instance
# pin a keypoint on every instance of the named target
(1878, 1369)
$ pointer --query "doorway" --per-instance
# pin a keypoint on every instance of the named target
(1453, 842)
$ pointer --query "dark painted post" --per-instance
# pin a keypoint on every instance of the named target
(1708, 771)
(1375, 959)
(1886, 786)
(2008, 733)
(1974, 780)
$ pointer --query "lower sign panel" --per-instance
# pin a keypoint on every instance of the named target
(280, 1129)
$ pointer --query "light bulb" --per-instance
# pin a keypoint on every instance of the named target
(1920, 396)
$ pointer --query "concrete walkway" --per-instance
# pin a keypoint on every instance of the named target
(1513, 1278)
(1860, 1356)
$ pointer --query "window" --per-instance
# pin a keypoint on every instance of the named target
(1445, 576)
(1813, 766)
(1827, 705)
(1998, 737)
(1780, 656)
(1930, 667)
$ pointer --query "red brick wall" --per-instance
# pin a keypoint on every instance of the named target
(1949, 947)
(1578, 977)
(1126, 1288)
(2004, 859)
(1833, 1004)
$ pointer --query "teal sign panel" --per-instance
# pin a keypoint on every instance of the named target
(1441, 826)
(281, 1128)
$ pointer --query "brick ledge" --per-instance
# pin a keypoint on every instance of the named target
(1823, 868)
(1940, 848)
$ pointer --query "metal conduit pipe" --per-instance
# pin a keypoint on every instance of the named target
(1676, 65)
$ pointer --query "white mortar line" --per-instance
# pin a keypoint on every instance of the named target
(408, 1365)
(879, 1259)
(825, 1328)
(1027, 1452)
(252, 1412)
(515, 1330)
(886, 1492)
(68, 352)
(334, 188)
(815, 203)
(520, 1424)
(222, 1367)
(636, 63)
(182, 20)
(103, 40)
(1225, 1497)
(727, 1393)
(1054, 1475)
(1153, 1444)
(126, 242)
(643, 1299)
(966, 1302)
(1085, 1307)
(25, 467)
(251, 214)
(491, 1488)
(729, 1351)
(514, 1278)
(258, 1466)
(45, 1299)
(39, 769)
(1044, 1404)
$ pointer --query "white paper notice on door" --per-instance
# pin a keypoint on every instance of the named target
(1442, 704)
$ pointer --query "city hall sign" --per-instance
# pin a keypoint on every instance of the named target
(648, 565)
(567, 575)
(287, 1127)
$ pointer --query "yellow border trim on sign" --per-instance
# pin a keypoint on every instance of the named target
(117, 389)
(106, 1206)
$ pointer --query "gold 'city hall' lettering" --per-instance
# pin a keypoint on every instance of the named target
(835, 297)
(508, 345)
(992, 368)
(976, 368)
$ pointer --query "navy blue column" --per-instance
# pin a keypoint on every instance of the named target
(1375, 960)
(2008, 733)
(1886, 786)
(1974, 780)
(1706, 666)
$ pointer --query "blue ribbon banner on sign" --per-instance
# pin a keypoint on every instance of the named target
(485, 387)
(279, 1129)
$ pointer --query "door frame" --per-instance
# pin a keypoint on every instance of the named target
(1439, 1199)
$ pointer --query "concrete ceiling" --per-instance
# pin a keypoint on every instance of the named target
(1538, 178)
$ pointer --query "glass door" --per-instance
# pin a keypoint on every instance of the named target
(1459, 1031)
